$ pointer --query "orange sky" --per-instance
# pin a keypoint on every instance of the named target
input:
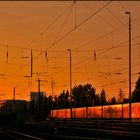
(30, 25)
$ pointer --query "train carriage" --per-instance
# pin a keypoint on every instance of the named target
(95, 112)
(118, 111)
(112, 111)
(136, 110)
(79, 112)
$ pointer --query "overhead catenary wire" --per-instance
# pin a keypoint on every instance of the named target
(106, 50)
(78, 25)
(83, 60)
(65, 35)
(63, 25)
(45, 30)
(79, 50)
(5, 44)
(52, 23)
(102, 18)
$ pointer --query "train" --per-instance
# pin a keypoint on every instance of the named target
(117, 111)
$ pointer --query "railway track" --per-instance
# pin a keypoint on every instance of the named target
(74, 130)
(100, 129)
(11, 134)
(98, 133)
(134, 126)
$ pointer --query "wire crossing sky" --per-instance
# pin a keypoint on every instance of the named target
(95, 31)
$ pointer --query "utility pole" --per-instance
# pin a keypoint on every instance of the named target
(130, 108)
(52, 85)
(14, 93)
(31, 63)
(70, 85)
(39, 103)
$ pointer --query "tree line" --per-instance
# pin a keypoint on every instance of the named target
(81, 96)
(85, 95)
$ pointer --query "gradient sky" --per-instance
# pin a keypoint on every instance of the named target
(41, 25)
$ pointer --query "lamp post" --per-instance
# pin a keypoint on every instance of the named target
(130, 109)
(52, 85)
(14, 93)
(31, 63)
(39, 103)
(70, 85)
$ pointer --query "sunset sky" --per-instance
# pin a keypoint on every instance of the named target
(95, 31)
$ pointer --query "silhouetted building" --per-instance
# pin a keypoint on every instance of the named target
(11, 105)
(34, 96)
(2, 102)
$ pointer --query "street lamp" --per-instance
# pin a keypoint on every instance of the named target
(70, 85)
(39, 104)
(130, 109)
(52, 85)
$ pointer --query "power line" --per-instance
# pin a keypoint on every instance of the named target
(78, 25)
(65, 35)
(52, 23)
(65, 21)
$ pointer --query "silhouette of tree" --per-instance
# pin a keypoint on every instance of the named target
(55, 103)
(136, 92)
(76, 92)
(83, 95)
(103, 97)
(90, 94)
(125, 100)
(121, 96)
(113, 100)
(97, 100)
(62, 100)
(66, 99)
